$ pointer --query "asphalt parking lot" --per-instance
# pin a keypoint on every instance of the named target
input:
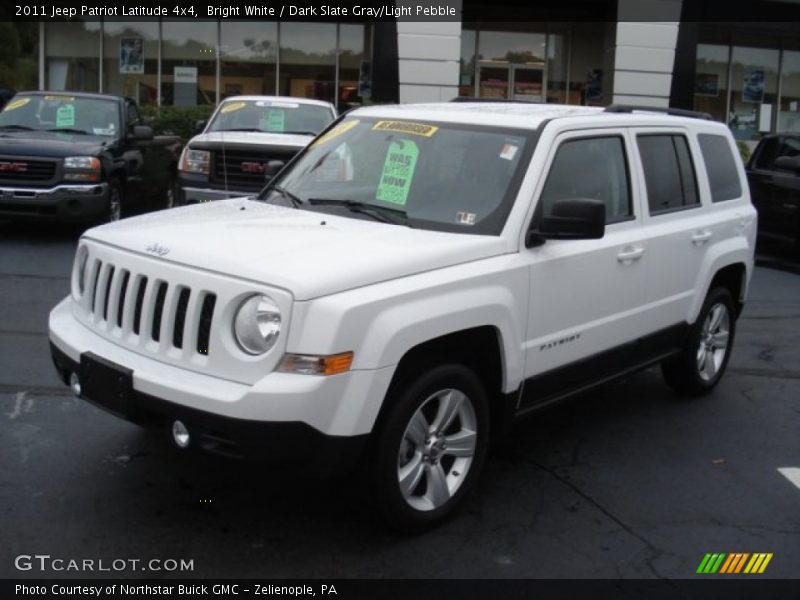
(625, 482)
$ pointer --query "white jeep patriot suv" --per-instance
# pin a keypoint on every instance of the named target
(412, 281)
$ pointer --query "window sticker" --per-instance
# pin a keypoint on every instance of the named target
(232, 107)
(465, 218)
(60, 98)
(110, 130)
(17, 104)
(65, 115)
(274, 120)
(509, 151)
(406, 127)
(336, 131)
(398, 172)
(282, 104)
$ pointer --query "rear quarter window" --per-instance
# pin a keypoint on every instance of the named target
(723, 173)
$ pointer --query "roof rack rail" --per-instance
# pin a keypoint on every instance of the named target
(677, 112)
(490, 100)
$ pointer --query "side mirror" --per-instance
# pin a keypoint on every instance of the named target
(199, 126)
(570, 219)
(142, 133)
(271, 169)
(788, 163)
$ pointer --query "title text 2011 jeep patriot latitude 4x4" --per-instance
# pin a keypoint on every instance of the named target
(413, 279)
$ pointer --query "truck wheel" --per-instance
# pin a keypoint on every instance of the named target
(430, 448)
(115, 199)
(701, 363)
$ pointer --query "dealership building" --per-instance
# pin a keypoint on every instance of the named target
(745, 72)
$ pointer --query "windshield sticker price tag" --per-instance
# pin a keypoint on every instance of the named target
(465, 218)
(336, 131)
(398, 172)
(509, 151)
(232, 107)
(17, 104)
(284, 105)
(65, 115)
(405, 127)
(60, 98)
(275, 120)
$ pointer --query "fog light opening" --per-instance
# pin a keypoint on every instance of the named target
(75, 384)
(180, 435)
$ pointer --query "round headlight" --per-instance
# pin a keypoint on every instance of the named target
(81, 260)
(257, 324)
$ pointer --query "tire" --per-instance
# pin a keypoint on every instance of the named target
(439, 466)
(116, 197)
(704, 357)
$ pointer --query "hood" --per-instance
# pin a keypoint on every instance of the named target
(50, 144)
(309, 254)
(215, 139)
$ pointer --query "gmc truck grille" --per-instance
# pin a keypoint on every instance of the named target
(150, 308)
(245, 169)
(22, 170)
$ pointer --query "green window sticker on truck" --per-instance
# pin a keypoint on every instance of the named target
(275, 120)
(398, 172)
(65, 115)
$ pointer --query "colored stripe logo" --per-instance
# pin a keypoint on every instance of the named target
(734, 563)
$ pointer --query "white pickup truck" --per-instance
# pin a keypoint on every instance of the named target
(417, 278)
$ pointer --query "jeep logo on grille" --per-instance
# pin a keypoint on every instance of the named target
(157, 249)
(13, 167)
(253, 167)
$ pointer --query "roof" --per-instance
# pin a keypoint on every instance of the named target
(278, 99)
(525, 115)
(71, 93)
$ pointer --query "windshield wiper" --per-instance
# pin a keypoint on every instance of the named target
(240, 129)
(298, 132)
(20, 127)
(296, 201)
(69, 130)
(379, 213)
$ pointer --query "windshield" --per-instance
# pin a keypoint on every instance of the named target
(56, 112)
(273, 116)
(440, 176)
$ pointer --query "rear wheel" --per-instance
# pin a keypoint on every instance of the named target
(431, 447)
(702, 362)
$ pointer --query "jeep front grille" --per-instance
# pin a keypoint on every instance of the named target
(150, 308)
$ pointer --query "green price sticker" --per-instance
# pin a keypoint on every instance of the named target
(398, 172)
(65, 115)
(276, 120)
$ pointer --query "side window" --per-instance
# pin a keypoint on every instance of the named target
(668, 172)
(723, 175)
(765, 159)
(133, 115)
(590, 168)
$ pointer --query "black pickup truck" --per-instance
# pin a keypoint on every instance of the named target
(82, 157)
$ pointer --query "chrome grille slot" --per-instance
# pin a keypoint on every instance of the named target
(180, 317)
(158, 310)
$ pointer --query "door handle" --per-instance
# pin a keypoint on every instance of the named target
(628, 255)
(701, 237)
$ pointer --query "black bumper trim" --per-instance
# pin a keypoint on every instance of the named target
(279, 444)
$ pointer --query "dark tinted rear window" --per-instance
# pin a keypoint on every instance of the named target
(723, 175)
(668, 172)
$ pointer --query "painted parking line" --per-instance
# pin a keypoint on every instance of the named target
(792, 474)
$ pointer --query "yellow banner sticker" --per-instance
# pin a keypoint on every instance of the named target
(60, 98)
(336, 131)
(17, 103)
(232, 107)
(406, 127)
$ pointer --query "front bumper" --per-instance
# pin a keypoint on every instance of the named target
(196, 188)
(283, 419)
(64, 202)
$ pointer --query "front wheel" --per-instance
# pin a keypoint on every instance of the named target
(702, 361)
(430, 448)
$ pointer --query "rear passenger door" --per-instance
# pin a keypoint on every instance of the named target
(679, 230)
(585, 295)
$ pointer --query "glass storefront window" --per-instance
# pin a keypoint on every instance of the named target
(511, 65)
(249, 53)
(753, 91)
(130, 60)
(466, 77)
(188, 66)
(308, 60)
(586, 85)
(355, 69)
(73, 56)
(557, 68)
(789, 110)
(711, 80)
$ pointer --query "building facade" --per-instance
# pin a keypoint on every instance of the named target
(645, 52)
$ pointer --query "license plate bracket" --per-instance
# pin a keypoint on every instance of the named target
(106, 384)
